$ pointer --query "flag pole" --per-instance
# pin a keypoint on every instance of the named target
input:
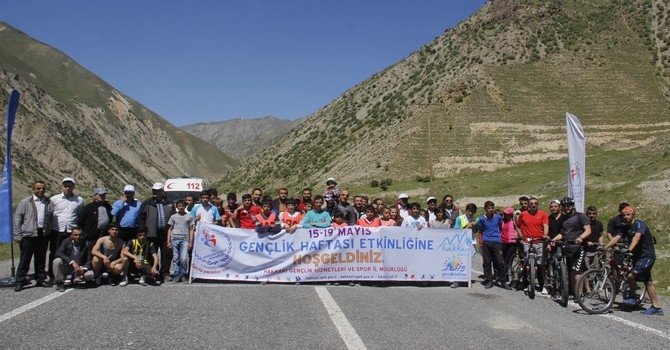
(6, 226)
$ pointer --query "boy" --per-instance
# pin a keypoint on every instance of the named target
(317, 217)
(370, 219)
(244, 214)
(267, 221)
(414, 219)
(205, 212)
(290, 218)
(180, 240)
(142, 258)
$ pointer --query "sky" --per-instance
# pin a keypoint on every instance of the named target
(209, 60)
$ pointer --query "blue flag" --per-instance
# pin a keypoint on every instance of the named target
(6, 184)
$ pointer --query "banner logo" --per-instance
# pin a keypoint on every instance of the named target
(211, 255)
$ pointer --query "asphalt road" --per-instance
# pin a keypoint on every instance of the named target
(313, 316)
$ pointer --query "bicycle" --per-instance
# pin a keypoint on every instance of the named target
(601, 285)
(557, 272)
(529, 267)
(516, 267)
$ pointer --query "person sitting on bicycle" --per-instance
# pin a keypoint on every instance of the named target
(576, 227)
(534, 224)
(644, 255)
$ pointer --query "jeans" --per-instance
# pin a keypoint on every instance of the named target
(180, 256)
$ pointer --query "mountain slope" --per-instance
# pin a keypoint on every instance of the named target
(489, 93)
(242, 138)
(72, 123)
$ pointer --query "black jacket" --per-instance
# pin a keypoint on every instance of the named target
(88, 219)
(65, 253)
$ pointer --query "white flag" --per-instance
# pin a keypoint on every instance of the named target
(576, 161)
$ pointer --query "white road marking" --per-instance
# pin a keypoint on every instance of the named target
(31, 305)
(347, 332)
(638, 326)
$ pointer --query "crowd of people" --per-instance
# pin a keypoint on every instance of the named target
(102, 243)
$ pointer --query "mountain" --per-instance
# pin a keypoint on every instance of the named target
(72, 123)
(242, 138)
(489, 93)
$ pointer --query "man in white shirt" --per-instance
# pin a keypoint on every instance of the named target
(67, 206)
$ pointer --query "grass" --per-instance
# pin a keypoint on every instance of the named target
(6, 254)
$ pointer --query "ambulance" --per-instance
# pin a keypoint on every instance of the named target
(179, 188)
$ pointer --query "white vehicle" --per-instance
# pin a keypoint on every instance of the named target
(179, 188)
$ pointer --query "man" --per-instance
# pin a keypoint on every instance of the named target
(617, 225)
(644, 255)
(431, 208)
(72, 257)
(67, 207)
(359, 206)
(32, 222)
(256, 196)
(279, 204)
(490, 227)
(523, 206)
(204, 211)
(107, 259)
(595, 238)
(533, 224)
(451, 212)
(306, 198)
(142, 258)
(343, 206)
(95, 217)
(154, 214)
(403, 205)
(577, 228)
(556, 218)
(125, 212)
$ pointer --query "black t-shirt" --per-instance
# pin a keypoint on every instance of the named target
(616, 226)
(594, 237)
(555, 225)
(573, 226)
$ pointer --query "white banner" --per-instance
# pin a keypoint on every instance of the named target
(333, 254)
(576, 161)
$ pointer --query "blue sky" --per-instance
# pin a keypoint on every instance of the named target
(200, 61)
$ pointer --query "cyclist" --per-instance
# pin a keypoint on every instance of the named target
(644, 255)
(576, 227)
(534, 224)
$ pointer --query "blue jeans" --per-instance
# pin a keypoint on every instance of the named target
(179, 256)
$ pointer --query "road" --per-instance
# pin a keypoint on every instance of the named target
(313, 316)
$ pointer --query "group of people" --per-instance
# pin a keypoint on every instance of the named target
(96, 241)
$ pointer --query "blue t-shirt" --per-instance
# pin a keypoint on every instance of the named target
(126, 214)
(321, 220)
(490, 228)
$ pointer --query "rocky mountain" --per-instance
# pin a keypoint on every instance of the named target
(241, 138)
(72, 123)
(489, 93)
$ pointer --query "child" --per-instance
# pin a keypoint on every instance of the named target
(338, 220)
(290, 218)
(317, 217)
(440, 220)
(205, 212)
(244, 214)
(395, 216)
(415, 219)
(267, 221)
(330, 195)
(180, 240)
(370, 219)
(386, 218)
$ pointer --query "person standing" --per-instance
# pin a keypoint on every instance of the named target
(451, 211)
(490, 228)
(32, 220)
(154, 214)
(95, 217)
(67, 206)
(533, 225)
(180, 239)
(125, 212)
(576, 228)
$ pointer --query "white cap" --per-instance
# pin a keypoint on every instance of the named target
(431, 199)
(67, 179)
(157, 186)
(403, 195)
(129, 188)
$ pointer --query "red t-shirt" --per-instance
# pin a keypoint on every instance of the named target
(531, 225)
(246, 217)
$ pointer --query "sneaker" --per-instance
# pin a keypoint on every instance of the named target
(176, 279)
(544, 291)
(105, 275)
(143, 281)
(653, 311)
(630, 301)
(488, 284)
(454, 284)
(504, 285)
(124, 282)
(61, 288)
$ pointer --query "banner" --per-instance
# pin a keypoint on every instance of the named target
(6, 182)
(576, 161)
(350, 253)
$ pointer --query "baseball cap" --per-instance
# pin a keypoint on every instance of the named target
(431, 199)
(157, 186)
(67, 179)
(129, 188)
(509, 211)
(99, 190)
(403, 195)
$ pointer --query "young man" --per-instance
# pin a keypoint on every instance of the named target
(141, 257)
(490, 227)
(577, 228)
(644, 256)
(107, 258)
(306, 198)
(595, 238)
(533, 224)
(256, 195)
(317, 217)
(180, 239)
(205, 212)
(95, 217)
(267, 221)
(279, 203)
(244, 213)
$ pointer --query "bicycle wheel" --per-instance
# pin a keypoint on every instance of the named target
(598, 291)
(531, 278)
(515, 271)
(563, 281)
(641, 294)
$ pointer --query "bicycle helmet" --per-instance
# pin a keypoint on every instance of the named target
(567, 201)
